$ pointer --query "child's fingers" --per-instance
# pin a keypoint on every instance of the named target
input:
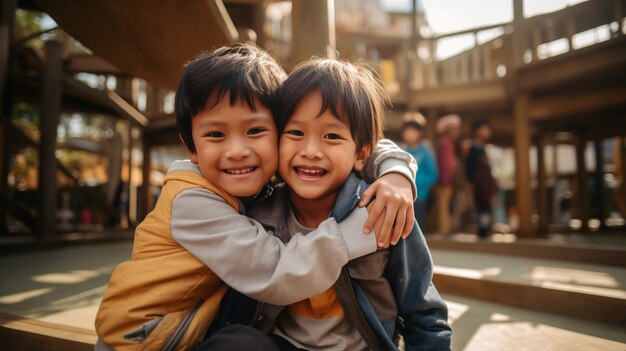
(375, 210)
(381, 237)
(398, 226)
(390, 216)
(408, 225)
(368, 194)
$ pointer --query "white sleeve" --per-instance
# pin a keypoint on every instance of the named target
(260, 265)
(387, 157)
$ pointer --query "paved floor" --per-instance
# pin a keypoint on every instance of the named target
(482, 326)
(577, 277)
(64, 285)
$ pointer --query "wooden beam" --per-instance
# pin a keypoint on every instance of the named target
(127, 110)
(20, 333)
(544, 108)
(50, 114)
(523, 190)
(77, 63)
(585, 63)
(481, 94)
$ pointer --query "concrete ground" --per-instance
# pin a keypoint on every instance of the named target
(65, 285)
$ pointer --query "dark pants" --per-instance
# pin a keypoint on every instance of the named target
(239, 337)
(419, 207)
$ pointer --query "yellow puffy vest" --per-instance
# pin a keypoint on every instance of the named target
(161, 279)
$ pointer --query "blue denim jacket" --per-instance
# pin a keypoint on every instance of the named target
(419, 313)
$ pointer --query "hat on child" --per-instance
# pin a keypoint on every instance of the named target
(448, 122)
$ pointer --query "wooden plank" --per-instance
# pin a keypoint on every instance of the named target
(144, 38)
(18, 333)
(585, 63)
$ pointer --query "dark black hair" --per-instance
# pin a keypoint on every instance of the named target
(245, 71)
(352, 92)
(477, 123)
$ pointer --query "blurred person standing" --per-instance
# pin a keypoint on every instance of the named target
(449, 130)
(478, 173)
(427, 174)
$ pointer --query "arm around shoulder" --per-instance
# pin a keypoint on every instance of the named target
(239, 250)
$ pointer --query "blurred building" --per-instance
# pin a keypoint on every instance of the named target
(87, 100)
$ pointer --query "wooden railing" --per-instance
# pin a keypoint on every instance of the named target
(524, 42)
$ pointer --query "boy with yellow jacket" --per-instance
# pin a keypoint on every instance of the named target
(196, 242)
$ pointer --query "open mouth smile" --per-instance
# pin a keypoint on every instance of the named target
(240, 172)
(309, 173)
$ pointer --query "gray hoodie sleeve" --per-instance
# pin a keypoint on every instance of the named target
(386, 158)
(239, 251)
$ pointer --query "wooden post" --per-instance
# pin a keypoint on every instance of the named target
(583, 191)
(412, 58)
(542, 189)
(476, 63)
(313, 29)
(518, 32)
(7, 25)
(600, 199)
(431, 127)
(622, 161)
(50, 113)
(522, 165)
(618, 13)
(258, 21)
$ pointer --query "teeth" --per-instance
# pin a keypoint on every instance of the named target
(240, 171)
(310, 171)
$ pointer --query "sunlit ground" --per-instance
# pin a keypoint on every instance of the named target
(480, 326)
(586, 278)
(65, 286)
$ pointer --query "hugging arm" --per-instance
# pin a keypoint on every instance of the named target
(239, 250)
(392, 172)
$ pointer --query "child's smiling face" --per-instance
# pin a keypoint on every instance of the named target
(317, 151)
(235, 146)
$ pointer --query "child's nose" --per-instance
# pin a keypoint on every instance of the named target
(311, 149)
(237, 150)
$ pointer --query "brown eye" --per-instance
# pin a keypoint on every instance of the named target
(214, 134)
(295, 132)
(332, 136)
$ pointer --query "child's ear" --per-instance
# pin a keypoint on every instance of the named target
(192, 155)
(361, 157)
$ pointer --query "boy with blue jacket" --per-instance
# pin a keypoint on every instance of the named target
(329, 115)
